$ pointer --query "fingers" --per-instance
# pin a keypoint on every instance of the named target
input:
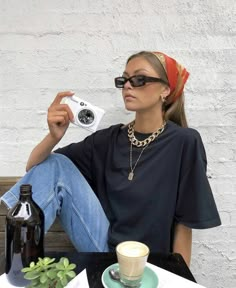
(68, 110)
(65, 108)
(57, 106)
(61, 95)
(59, 118)
(60, 114)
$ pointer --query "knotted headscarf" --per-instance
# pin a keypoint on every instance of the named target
(177, 75)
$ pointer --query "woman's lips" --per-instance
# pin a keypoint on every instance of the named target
(129, 97)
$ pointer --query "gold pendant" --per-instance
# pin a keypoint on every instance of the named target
(131, 175)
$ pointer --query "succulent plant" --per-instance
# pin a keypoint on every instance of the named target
(47, 273)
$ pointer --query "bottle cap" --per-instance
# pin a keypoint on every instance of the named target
(25, 189)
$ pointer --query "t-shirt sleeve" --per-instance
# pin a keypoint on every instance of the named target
(195, 206)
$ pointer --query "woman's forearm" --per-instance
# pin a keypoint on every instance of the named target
(41, 151)
(183, 242)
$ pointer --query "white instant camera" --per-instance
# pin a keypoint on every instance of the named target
(86, 115)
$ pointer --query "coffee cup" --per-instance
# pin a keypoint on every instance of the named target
(132, 258)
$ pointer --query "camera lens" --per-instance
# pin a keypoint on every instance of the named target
(86, 117)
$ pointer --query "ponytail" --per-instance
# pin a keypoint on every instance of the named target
(175, 111)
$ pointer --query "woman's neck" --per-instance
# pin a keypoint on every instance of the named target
(148, 123)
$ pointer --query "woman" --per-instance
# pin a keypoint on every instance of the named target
(144, 181)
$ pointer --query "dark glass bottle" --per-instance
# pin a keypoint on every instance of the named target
(24, 236)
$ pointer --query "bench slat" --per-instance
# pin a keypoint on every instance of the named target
(49, 239)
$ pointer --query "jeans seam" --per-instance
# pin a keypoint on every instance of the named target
(85, 227)
(45, 204)
(67, 190)
(8, 199)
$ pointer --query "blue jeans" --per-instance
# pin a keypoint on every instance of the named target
(61, 190)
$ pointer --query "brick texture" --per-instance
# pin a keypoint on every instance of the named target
(81, 45)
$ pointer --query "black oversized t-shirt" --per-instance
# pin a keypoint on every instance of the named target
(169, 185)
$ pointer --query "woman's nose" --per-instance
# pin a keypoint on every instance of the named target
(128, 85)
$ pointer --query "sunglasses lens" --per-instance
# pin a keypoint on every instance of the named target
(137, 81)
(120, 82)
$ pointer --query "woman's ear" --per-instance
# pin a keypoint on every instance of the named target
(165, 93)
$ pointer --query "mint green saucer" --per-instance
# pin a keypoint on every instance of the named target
(149, 280)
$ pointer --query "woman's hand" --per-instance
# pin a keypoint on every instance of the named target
(59, 116)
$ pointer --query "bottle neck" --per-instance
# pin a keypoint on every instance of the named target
(25, 197)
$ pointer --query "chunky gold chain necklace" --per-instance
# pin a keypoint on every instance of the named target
(146, 141)
(136, 142)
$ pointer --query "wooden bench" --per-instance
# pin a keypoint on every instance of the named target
(55, 239)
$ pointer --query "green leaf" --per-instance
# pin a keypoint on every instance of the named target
(60, 266)
(64, 281)
(39, 269)
(35, 283)
(71, 266)
(66, 262)
(43, 285)
(32, 264)
(31, 275)
(26, 269)
(43, 278)
(59, 285)
(71, 274)
(52, 274)
(60, 274)
(48, 260)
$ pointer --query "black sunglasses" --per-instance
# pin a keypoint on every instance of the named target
(136, 81)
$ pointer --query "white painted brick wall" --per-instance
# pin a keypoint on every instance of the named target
(50, 46)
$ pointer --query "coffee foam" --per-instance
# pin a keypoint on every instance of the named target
(132, 249)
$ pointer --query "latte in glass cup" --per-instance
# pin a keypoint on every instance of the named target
(132, 258)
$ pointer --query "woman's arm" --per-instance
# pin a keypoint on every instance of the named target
(41, 151)
(59, 117)
(183, 242)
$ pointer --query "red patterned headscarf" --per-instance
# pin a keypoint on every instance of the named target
(177, 75)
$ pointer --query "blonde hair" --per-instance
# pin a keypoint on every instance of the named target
(173, 111)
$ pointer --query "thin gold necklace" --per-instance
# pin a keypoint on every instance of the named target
(138, 143)
(131, 173)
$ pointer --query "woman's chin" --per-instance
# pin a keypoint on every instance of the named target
(130, 107)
